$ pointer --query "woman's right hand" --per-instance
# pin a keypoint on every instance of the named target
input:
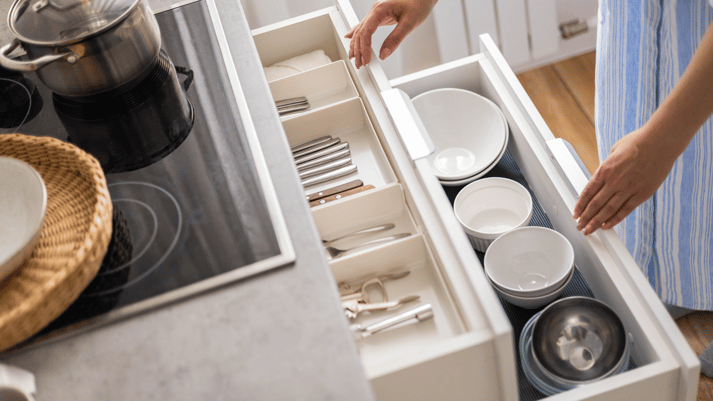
(406, 14)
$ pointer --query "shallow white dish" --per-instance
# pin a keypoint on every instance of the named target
(489, 207)
(468, 131)
(23, 197)
(453, 183)
(529, 261)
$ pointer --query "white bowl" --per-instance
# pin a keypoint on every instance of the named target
(467, 130)
(23, 197)
(532, 302)
(529, 261)
(490, 207)
(453, 183)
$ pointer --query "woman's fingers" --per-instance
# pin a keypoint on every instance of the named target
(603, 214)
(395, 38)
(350, 33)
(628, 207)
(590, 190)
(357, 51)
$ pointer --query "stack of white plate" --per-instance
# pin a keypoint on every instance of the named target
(470, 133)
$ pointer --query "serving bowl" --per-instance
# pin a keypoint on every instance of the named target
(468, 131)
(23, 197)
(532, 302)
(578, 340)
(529, 261)
(489, 207)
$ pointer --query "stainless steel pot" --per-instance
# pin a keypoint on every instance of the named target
(83, 47)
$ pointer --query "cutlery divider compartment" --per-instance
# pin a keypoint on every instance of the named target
(322, 86)
(362, 211)
(349, 122)
(299, 35)
(397, 348)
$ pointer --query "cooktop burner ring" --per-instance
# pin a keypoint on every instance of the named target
(136, 260)
(28, 92)
(148, 243)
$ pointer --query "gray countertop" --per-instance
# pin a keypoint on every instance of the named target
(281, 335)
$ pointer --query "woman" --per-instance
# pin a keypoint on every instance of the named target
(654, 100)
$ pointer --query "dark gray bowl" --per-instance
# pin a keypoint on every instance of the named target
(579, 339)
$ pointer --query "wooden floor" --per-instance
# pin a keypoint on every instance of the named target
(564, 95)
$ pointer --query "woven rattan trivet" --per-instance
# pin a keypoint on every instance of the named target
(73, 240)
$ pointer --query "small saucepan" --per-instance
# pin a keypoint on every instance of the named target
(83, 47)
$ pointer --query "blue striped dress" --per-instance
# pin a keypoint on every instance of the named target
(643, 47)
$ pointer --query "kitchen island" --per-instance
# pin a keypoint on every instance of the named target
(278, 335)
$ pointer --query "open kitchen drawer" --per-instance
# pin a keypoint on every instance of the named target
(468, 350)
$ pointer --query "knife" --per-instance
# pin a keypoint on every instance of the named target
(323, 160)
(316, 148)
(334, 190)
(341, 172)
(291, 109)
(341, 195)
(290, 101)
(323, 152)
(311, 143)
(325, 168)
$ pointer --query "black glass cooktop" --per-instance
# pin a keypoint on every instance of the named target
(199, 210)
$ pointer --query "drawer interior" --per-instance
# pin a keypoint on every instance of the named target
(416, 354)
(416, 348)
(508, 168)
(596, 275)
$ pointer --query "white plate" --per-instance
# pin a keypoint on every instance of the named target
(23, 197)
(467, 130)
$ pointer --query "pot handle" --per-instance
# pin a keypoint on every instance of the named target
(31, 65)
(189, 77)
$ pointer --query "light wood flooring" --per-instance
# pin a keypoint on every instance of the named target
(564, 94)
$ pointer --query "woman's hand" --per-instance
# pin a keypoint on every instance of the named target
(636, 166)
(406, 14)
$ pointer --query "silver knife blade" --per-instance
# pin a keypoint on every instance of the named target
(311, 143)
(293, 100)
(326, 168)
(316, 148)
(324, 159)
(341, 172)
(293, 108)
(323, 152)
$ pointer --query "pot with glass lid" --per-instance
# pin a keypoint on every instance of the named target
(83, 47)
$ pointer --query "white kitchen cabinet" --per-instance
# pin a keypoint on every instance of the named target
(467, 351)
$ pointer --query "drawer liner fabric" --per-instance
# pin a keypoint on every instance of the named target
(508, 168)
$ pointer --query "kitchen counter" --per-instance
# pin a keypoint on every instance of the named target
(280, 335)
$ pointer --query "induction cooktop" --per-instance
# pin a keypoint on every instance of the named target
(201, 216)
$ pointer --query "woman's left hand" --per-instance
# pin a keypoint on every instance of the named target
(636, 166)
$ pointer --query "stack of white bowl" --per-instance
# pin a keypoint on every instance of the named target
(490, 207)
(470, 133)
(530, 266)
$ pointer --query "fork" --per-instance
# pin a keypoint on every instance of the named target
(353, 309)
(336, 252)
(371, 230)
